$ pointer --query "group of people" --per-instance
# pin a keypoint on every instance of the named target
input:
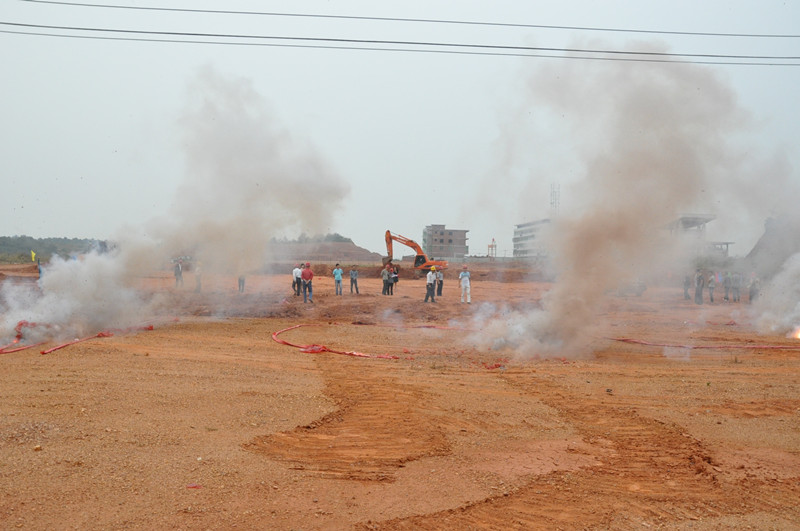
(302, 282)
(434, 281)
(732, 283)
(390, 276)
(302, 278)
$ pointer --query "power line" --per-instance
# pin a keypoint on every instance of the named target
(422, 20)
(411, 50)
(435, 45)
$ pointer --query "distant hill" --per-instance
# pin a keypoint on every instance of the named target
(329, 248)
(344, 252)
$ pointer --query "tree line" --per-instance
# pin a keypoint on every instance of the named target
(17, 249)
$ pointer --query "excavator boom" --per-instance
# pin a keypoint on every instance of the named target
(421, 261)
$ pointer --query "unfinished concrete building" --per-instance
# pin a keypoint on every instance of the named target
(440, 242)
(691, 228)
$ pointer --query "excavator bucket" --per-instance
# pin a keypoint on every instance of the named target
(386, 260)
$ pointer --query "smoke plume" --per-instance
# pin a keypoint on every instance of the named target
(248, 179)
(649, 142)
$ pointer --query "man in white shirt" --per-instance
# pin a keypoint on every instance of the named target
(430, 284)
(297, 283)
(464, 278)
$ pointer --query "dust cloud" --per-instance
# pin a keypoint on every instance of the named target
(248, 178)
(648, 143)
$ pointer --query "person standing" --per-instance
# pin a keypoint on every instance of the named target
(755, 287)
(297, 281)
(395, 277)
(337, 279)
(385, 276)
(353, 279)
(306, 277)
(711, 286)
(699, 284)
(178, 272)
(736, 286)
(463, 277)
(241, 283)
(439, 282)
(430, 285)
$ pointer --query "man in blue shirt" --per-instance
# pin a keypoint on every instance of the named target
(337, 279)
(353, 279)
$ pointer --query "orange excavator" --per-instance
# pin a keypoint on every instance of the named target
(421, 261)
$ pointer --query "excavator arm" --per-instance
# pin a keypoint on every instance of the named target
(421, 261)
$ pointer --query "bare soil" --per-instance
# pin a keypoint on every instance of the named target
(207, 422)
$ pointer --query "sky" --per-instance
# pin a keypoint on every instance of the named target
(103, 137)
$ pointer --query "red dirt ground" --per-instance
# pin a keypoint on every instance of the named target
(206, 422)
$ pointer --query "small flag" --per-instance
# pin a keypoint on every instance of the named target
(33, 256)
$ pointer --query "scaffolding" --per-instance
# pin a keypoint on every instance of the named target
(492, 254)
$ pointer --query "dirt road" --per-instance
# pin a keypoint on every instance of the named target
(206, 422)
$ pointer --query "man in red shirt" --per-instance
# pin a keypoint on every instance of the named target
(306, 276)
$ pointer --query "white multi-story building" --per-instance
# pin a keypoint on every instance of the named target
(527, 239)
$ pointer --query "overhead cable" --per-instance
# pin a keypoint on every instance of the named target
(475, 48)
(418, 20)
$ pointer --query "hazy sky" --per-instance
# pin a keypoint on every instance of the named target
(101, 134)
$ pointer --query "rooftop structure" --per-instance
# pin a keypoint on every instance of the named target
(692, 227)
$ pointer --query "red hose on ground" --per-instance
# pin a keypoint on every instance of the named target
(314, 349)
(100, 334)
(6, 350)
(27, 324)
(106, 333)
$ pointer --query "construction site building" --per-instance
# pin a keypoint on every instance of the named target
(440, 242)
(691, 228)
(527, 239)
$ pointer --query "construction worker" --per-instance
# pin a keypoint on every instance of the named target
(439, 282)
(430, 284)
(463, 277)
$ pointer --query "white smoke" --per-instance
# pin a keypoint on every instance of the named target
(248, 179)
(778, 305)
(650, 142)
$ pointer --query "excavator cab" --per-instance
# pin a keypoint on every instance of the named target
(420, 260)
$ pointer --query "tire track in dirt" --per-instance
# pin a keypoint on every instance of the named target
(656, 474)
(378, 425)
